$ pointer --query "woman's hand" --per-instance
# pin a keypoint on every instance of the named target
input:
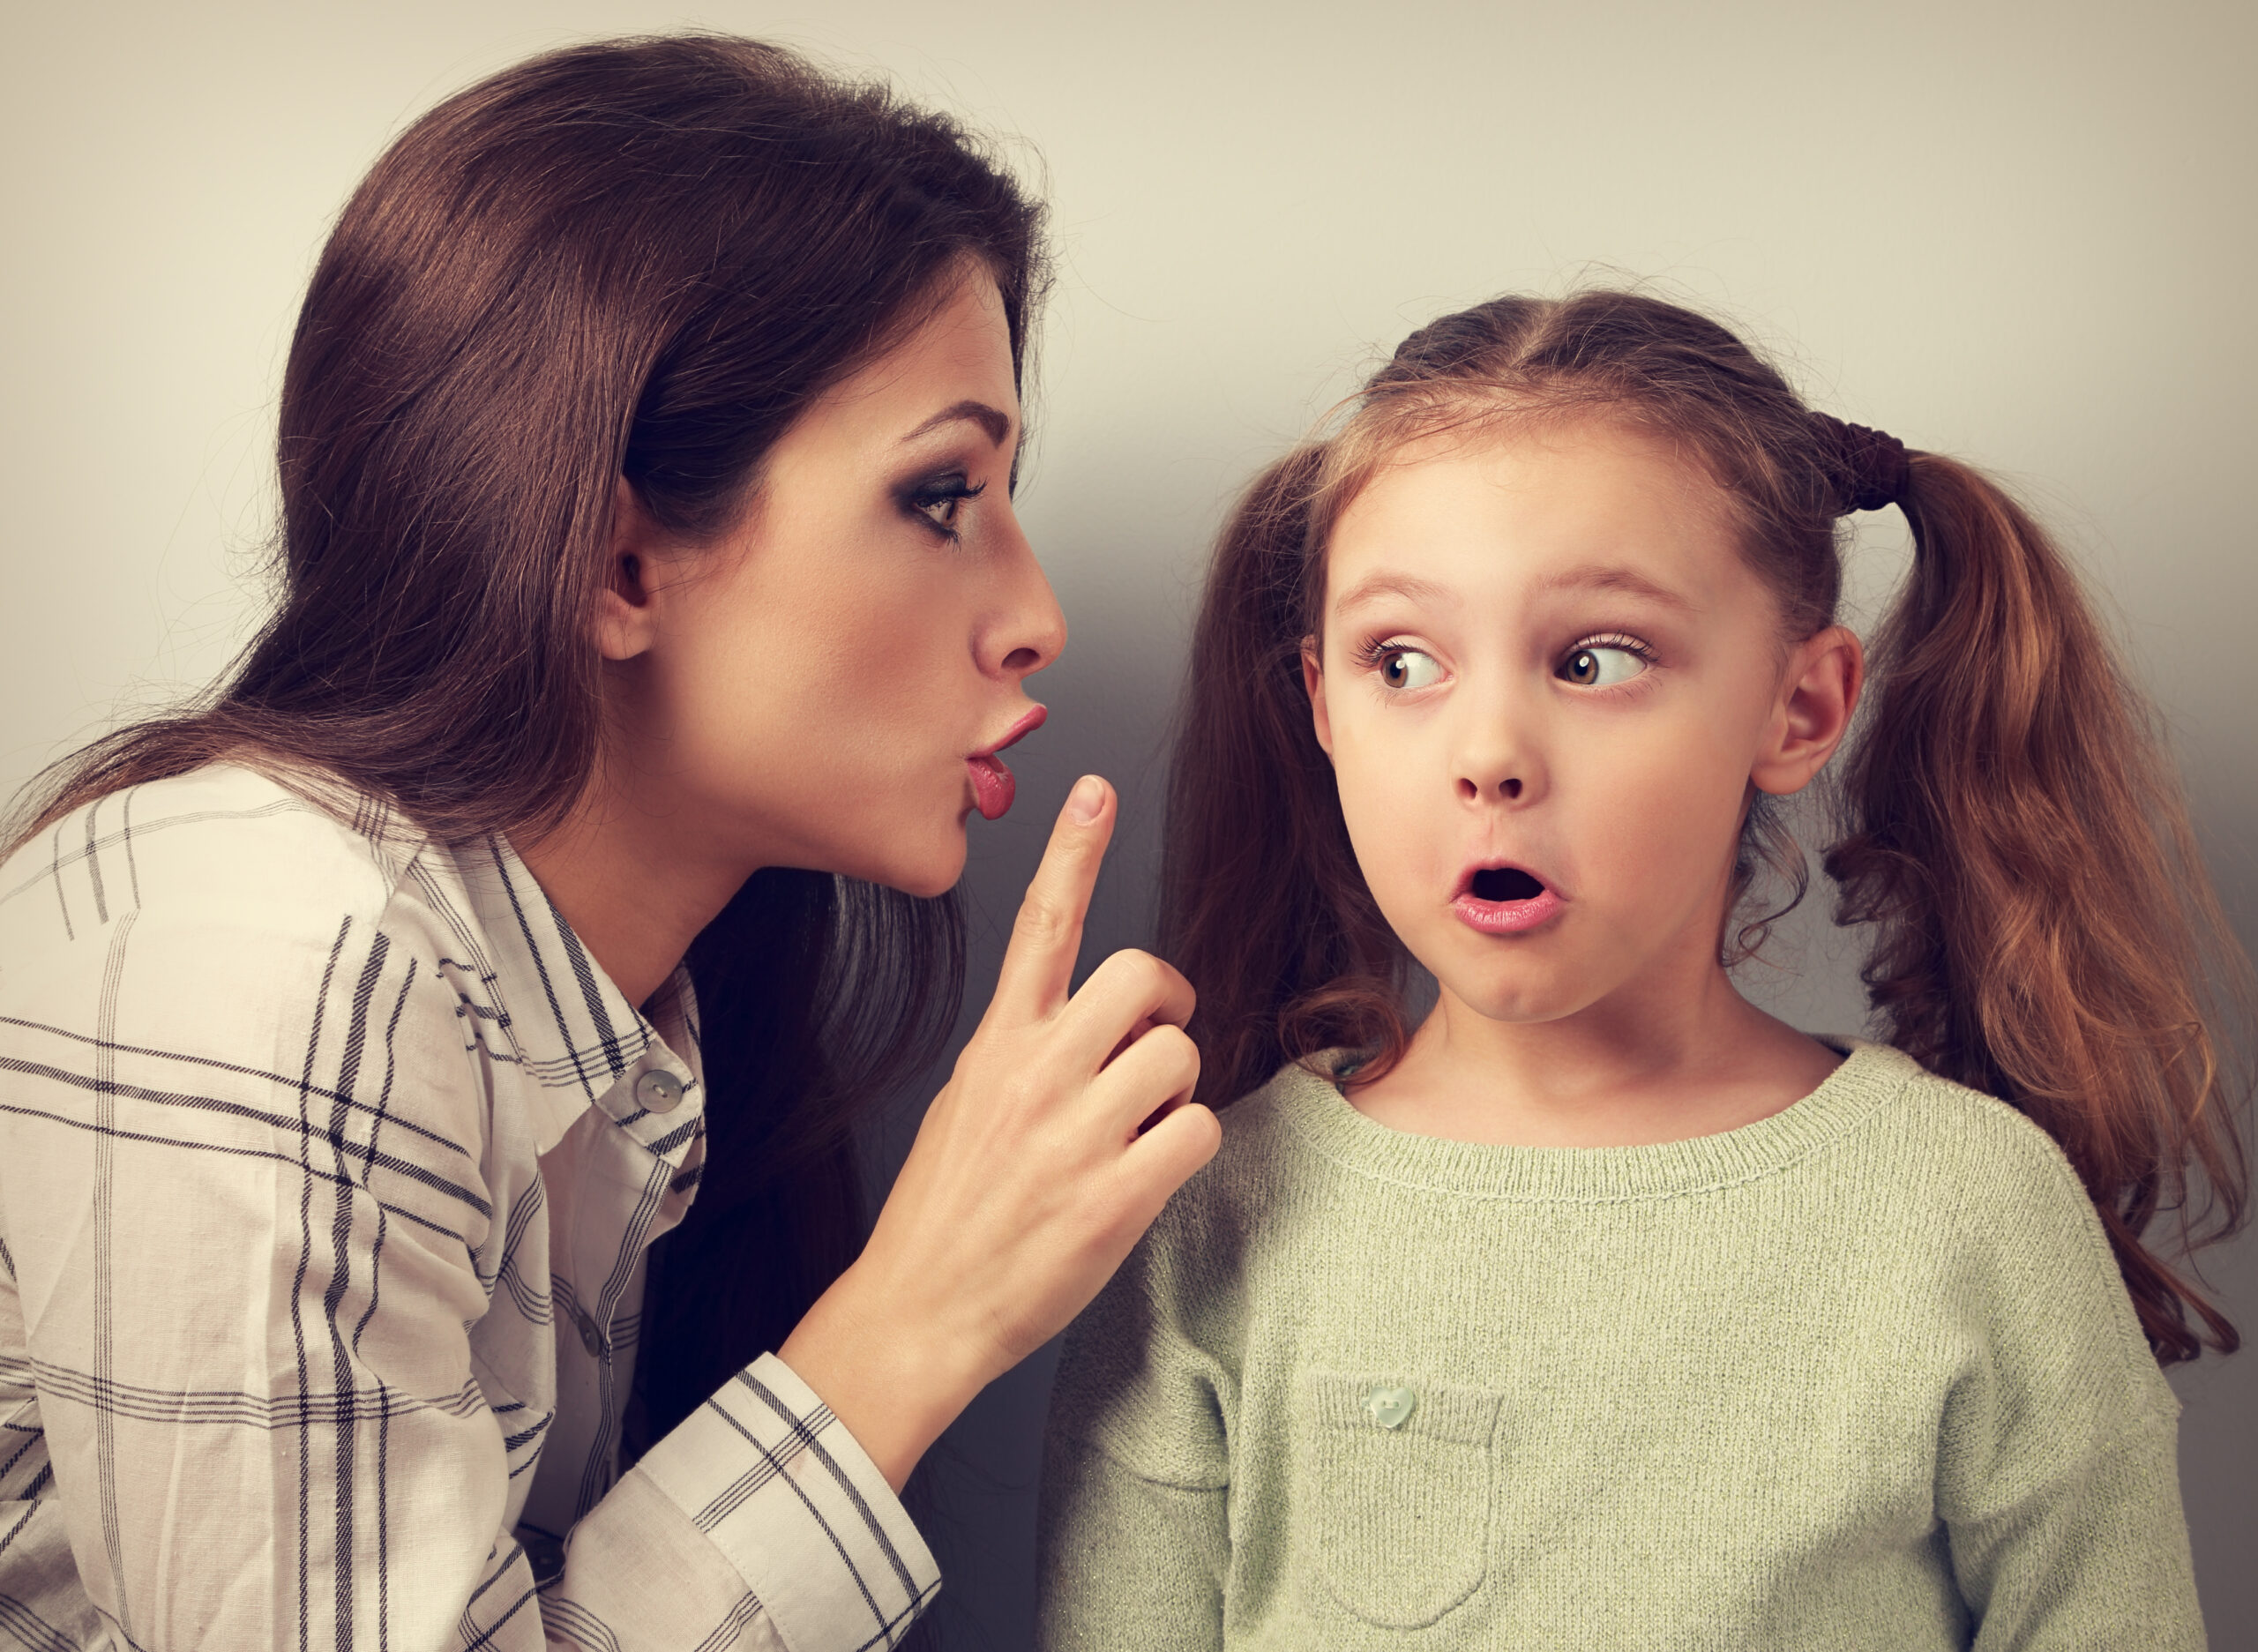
(1062, 1133)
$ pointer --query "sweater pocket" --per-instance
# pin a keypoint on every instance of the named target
(1392, 1484)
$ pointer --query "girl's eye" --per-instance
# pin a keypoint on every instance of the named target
(1408, 667)
(1600, 667)
(937, 501)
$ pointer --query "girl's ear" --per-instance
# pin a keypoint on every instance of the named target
(1314, 680)
(625, 623)
(1818, 692)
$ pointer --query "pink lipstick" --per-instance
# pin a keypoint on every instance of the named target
(993, 786)
(1505, 901)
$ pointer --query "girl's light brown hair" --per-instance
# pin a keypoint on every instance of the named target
(2009, 829)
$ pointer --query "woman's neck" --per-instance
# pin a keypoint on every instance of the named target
(632, 884)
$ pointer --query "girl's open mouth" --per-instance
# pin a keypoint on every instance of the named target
(1505, 901)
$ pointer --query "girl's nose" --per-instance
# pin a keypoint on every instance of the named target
(1497, 761)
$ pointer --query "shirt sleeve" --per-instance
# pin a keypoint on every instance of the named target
(245, 1206)
(1134, 1536)
(814, 1543)
(2057, 1477)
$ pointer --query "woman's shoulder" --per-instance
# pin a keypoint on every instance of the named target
(215, 968)
(225, 846)
(224, 886)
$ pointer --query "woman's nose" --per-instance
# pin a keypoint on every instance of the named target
(1031, 631)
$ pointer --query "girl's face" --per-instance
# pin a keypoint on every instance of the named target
(824, 687)
(1547, 680)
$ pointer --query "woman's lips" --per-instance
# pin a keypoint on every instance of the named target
(993, 786)
(1505, 901)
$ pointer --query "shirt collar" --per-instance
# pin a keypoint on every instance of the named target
(574, 1032)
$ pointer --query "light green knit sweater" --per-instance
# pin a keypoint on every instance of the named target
(1860, 1375)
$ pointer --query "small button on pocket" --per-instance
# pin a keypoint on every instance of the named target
(1391, 1481)
(1390, 1407)
(658, 1091)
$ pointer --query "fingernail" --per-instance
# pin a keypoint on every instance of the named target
(1084, 802)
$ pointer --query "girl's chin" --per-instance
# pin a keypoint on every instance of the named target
(1515, 997)
(1514, 1010)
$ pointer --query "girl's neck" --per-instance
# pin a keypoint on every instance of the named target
(1634, 1070)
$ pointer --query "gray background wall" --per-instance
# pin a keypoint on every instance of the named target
(2018, 233)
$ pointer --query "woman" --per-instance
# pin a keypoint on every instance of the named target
(653, 612)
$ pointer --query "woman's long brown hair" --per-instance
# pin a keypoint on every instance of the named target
(645, 259)
(2010, 833)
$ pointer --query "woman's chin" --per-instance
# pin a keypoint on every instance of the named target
(928, 876)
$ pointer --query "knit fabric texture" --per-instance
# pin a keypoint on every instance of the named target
(1862, 1374)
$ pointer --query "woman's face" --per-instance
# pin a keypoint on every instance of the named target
(823, 686)
(1547, 679)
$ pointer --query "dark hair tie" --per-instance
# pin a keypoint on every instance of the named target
(1867, 469)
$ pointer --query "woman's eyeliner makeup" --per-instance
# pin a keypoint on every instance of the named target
(921, 498)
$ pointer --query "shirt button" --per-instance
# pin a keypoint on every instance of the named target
(546, 1557)
(590, 1338)
(658, 1091)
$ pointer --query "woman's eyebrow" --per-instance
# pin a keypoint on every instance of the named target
(1385, 582)
(998, 425)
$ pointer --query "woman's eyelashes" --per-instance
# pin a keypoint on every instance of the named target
(937, 501)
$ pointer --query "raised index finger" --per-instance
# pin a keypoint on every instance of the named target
(1047, 935)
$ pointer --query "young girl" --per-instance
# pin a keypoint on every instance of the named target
(1604, 1309)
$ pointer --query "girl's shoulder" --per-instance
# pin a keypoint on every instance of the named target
(1955, 1143)
(1269, 1155)
(1265, 1129)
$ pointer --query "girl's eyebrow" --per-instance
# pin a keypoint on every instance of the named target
(1385, 582)
(1599, 576)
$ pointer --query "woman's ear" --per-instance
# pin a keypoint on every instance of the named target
(1314, 680)
(625, 623)
(1819, 690)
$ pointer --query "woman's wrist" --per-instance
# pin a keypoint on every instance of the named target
(885, 1369)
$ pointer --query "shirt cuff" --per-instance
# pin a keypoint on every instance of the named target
(789, 1497)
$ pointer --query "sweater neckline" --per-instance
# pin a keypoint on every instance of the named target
(1869, 1076)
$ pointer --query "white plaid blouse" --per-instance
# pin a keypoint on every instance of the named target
(312, 1133)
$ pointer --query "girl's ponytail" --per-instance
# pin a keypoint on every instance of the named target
(1261, 902)
(2043, 929)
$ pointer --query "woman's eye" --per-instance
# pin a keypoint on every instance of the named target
(1408, 667)
(939, 502)
(1600, 667)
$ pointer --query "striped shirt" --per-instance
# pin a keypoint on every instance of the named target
(315, 1134)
